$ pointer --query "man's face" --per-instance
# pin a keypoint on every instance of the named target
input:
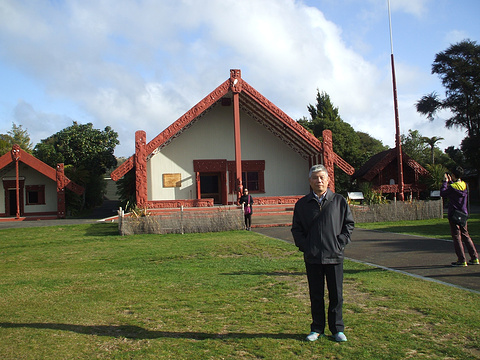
(319, 182)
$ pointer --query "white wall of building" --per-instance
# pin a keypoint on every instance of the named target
(212, 137)
(32, 177)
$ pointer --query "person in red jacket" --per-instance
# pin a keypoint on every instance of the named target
(455, 190)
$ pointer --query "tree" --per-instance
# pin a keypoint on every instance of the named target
(435, 180)
(457, 155)
(17, 135)
(346, 142)
(324, 115)
(431, 142)
(459, 69)
(369, 146)
(87, 154)
(414, 146)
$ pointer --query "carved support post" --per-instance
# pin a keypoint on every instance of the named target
(60, 178)
(236, 87)
(141, 169)
(17, 182)
(329, 157)
(197, 185)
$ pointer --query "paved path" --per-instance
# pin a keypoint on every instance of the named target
(414, 255)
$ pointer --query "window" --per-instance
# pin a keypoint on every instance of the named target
(35, 194)
(253, 176)
(250, 180)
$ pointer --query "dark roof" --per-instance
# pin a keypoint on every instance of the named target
(379, 161)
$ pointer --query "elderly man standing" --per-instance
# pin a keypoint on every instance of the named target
(322, 225)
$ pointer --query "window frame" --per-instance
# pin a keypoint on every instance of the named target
(39, 190)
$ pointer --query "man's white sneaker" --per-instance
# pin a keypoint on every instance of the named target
(313, 336)
(340, 336)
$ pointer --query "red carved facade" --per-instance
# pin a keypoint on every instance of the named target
(259, 108)
(16, 156)
(382, 169)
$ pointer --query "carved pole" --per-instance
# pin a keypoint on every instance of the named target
(17, 182)
(61, 206)
(398, 143)
(141, 169)
(235, 83)
(328, 157)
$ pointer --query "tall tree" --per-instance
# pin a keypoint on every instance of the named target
(414, 146)
(459, 69)
(420, 149)
(324, 115)
(17, 135)
(369, 146)
(87, 154)
(431, 142)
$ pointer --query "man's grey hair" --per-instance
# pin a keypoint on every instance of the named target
(317, 168)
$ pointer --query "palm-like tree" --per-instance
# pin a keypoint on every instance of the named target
(431, 142)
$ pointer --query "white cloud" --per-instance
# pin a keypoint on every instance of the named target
(414, 7)
(455, 36)
(142, 64)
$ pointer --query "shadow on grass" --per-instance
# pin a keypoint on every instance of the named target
(137, 332)
(102, 229)
(269, 273)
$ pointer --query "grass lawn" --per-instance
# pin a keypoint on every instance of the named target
(434, 228)
(84, 292)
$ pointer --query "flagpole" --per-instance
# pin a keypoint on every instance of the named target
(398, 144)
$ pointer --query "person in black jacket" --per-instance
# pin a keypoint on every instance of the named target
(322, 226)
(247, 199)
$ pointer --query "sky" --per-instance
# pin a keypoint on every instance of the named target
(141, 64)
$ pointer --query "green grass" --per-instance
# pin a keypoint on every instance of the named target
(83, 292)
(434, 228)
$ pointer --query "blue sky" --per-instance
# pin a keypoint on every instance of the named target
(141, 64)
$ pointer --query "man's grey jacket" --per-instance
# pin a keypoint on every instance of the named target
(322, 232)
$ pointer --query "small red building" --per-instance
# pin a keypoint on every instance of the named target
(381, 170)
(232, 139)
(31, 188)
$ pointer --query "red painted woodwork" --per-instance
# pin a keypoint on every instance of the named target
(17, 184)
(165, 204)
(383, 166)
(247, 165)
(329, 157)
(276, 200)
(197, 187)
(61, 206)
(249, 100)
(218, 165)
(118, 173)
(212, 166)
(238, 149)
(18, 155)
(285, 120)
(141, 169)
(398, 144)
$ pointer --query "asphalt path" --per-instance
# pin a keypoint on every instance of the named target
(417, 256)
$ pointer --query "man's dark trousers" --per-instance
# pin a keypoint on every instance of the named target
(316, 275)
